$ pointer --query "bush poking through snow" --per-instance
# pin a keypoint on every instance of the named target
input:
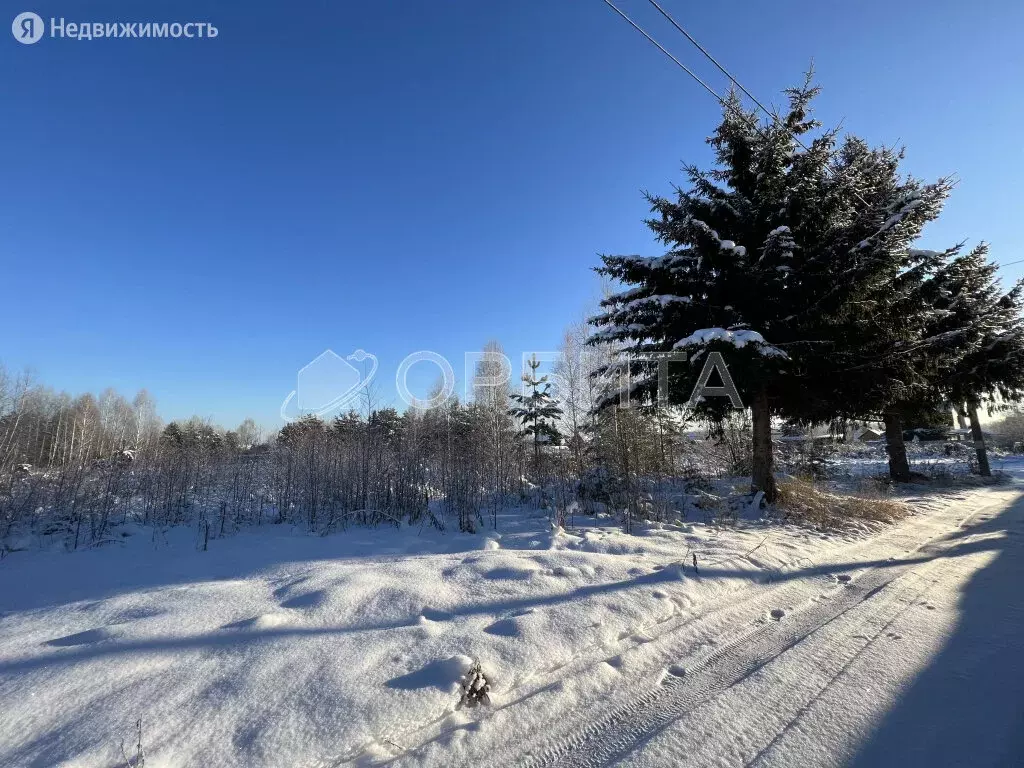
(475, 688)
(599, 484)
(139, 759)
(802, 502)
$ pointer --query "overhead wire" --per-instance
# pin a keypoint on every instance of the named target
(726, 104)
(713, 60)
(721, 68)
(678, 63)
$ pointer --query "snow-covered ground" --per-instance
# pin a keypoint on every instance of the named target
(784, 646)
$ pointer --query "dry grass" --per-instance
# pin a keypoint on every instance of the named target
(804, 503)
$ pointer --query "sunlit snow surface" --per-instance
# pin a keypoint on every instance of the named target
(279, 648)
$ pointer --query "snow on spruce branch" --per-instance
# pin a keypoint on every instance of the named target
(779, 241)
(614, 319)
(738, 339)
(906, 205)
(707, 231)
(620, 332)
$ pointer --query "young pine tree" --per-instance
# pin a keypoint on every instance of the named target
(538, 411)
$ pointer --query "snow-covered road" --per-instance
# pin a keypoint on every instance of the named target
(918, 660)
(274, 648)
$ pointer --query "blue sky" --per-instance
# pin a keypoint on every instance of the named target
(204, 217)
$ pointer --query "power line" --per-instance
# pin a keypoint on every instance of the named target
(713, 60)
(771, 115)
(739, 85)
(686, 69)
(661, 48)
(727, 104)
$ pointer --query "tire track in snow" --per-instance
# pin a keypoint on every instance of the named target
(935, 516)
(834, 658)
(613, 736)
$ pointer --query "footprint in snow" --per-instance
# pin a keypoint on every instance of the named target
(308, 600)
(511, 574)
(135, 614)
(504, 628)
(263, 621)
(284, 590)
(563, 571)
(777, 613)
(432, 614)
(87, 637)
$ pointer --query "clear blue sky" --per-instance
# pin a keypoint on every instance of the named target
(203, 217)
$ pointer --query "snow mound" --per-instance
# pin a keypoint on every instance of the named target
(443, 674)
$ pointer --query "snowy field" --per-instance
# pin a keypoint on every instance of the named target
(784, 646)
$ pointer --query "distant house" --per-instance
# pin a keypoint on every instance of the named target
(867, 434)
(815, 435)
(958, 435)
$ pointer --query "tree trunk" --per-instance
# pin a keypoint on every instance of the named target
(962, 422)
(899, 468)
(979, 440)
(763, 475)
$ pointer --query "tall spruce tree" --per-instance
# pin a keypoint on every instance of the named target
(982, 332)
(537, 410)
(875, 317)
(778, 258)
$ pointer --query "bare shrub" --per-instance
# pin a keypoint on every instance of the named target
(138, 760)
(735, 438)
(475, 688)
(807, 458)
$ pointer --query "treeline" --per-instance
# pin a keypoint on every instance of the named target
(41, 427)
(74, 468)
